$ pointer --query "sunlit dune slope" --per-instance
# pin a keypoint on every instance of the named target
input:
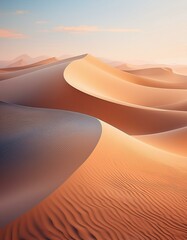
(179, 106)
(98, 79)
(40, 149)
(125, 190)
(180, 69)
(91, 87)
(174, 141)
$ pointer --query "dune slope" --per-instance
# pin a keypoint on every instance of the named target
(172, 141)
(125, 190)
(40, 148)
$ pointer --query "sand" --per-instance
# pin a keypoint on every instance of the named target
(118, 172)
(125, 190)
(40, 148)
(78, 91)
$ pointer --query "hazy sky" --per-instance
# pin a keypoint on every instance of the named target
(149, 30)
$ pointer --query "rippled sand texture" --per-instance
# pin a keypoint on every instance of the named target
(118, 172)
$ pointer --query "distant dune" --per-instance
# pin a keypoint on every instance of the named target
(43, 62)
(180, 70)
(92, 152)
(21, 61)
(162, 74)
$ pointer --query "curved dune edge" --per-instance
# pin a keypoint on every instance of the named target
(40, 149)
(125, 190)
(100, 80)
(178, 106)
(47, 88)
(182, 70)
(173, 141)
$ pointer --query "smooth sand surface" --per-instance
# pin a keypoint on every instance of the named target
(163, 74)
(180, 70)
(71, 176)
(40, 148)
(125, 190)
(179, 106)
(174, 141)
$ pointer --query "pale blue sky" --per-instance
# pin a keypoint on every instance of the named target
(149, 30)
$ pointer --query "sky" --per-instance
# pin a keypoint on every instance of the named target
(124, 30)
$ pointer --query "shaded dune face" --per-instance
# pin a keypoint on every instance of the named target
(90, 94)
(40, 149)
(125, 190)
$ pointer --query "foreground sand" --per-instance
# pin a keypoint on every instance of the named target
(40, 149)
(126, 187)
(125, 190)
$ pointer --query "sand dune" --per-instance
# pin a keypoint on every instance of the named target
(35, 67)
(123, 88)
(65, 175)
(141, 65)
(172, 141)
(118, 193)
(40, 149)
(42, 62)
(179, 106)
(163, 74)
(88, 94)
(180, 69)
(21, 61)
(159, 78)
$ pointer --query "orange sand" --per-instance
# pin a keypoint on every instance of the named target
(120, 176)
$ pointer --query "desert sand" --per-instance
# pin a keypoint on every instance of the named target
(40, 149)
(92, 152)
